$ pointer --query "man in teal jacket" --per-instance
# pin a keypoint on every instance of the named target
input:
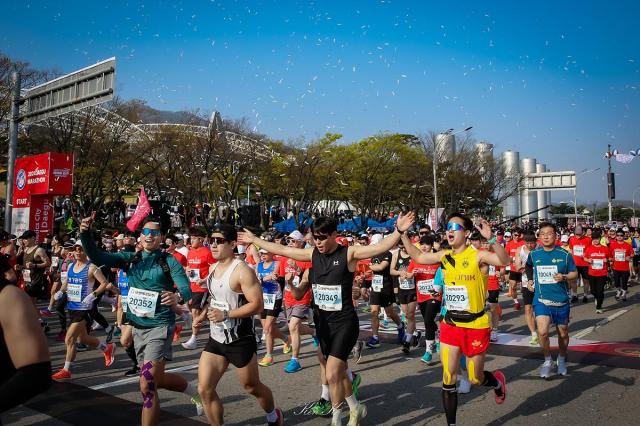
(150, 301)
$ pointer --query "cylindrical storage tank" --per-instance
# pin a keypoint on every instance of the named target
(445, 146)
(484, 151)
(542, 195)
(511, 164)
(528, 199)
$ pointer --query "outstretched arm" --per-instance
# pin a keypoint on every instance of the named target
(303, 255)
(405, 221)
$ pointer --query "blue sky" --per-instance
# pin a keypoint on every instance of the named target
(556, 81)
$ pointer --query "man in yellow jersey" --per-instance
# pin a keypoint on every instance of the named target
(466, 327)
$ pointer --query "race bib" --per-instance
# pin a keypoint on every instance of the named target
(74, 293)
(269, 300)
(142, 303)
(578, 250)
(597, 264)
(456, 298)
(546, 274)
(123, 303)
(222, 306)
(619, 255)
(63, 276)
(328, 297)
(492, 271)
(26, 275)
(406, 284)
(55, 261)
(425, 287)
(376, 283)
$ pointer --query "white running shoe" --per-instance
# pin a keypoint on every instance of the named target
(545, 369)
(562, 366)
(494, 336)
(464, 386)
(190, 344)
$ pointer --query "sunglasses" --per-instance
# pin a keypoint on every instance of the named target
(424, 232)
(320, 237)
(216, 241)
(149, 231)
(453, 226)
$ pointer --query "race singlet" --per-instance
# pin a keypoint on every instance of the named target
(457, 298)
(376, 283)
(546, 274)
(142, 303)
(74, 293)
(328, 297)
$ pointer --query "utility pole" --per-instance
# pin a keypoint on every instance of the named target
(611, 184)
(13, 147)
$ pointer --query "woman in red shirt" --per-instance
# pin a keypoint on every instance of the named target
(597, 256)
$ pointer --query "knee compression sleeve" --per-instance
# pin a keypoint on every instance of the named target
(447, 378)
(450, 402)
(149, 395)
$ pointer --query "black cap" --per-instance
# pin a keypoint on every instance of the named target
(27, 234)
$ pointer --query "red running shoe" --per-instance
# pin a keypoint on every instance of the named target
(176, 332)
(109, 355)
(503, 387)
(61, 375)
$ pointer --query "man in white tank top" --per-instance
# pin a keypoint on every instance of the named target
(236, 295)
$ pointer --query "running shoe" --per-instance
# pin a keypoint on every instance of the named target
(465, 385)
(406, 347)
(415, 339)
(501, 394)
(385, 323)
(135, 371)
(618, 292)
(109, 332)
(95, 326)
(403, 317)
(623, 296)
(494, 336)
(278, 421)
(427, 357)
(109, 355)
(402, 331)
(177, 331)
(322, 408)
(266, 361)
(81, 347)
(355, 384)
(585, 299)
(357, 351)
(117, 332)
(562, 366)
(292, 366)
(533, 340)
(60, 336)
(599, 311)
(356, 415)
(191, 344)
(316, 341)
(286, 347)
(61, 375)
(438, 347)
(545, 369)
(373, 342)
(195, 400)
(517, 306)
(46, 313)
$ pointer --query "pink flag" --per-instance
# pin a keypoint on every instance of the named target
(142, 210)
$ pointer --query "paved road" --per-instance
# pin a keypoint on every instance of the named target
(604, 367)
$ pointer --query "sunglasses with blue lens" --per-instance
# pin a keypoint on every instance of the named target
(453, 226)
(152, 232)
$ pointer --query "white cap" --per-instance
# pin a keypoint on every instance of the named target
(507, 234)
(296, 235)
(376, 238)
(564, 238)
(625, 229)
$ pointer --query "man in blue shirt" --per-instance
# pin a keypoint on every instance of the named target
(548, 269)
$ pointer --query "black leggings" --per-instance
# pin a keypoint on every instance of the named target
(597, 289)
(621, 278)
(429, 310)
(97, 316)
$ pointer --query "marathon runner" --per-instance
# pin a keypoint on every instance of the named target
(597, 256)
(494, 277)
(621, 255)
(466, 328)
(578, 243)
(332, 273)
(530, 243)
(407, 298)
(236, 296)
(81, 276)
(548, 269)
(150, 301)
(515, 277)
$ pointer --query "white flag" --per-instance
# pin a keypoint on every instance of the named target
(624, 158)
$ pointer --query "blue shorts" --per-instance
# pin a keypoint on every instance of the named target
(559, 314)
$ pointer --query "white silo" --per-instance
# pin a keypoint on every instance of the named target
(542, 195)
(484, 151)
(511, 164)
(528, 199)
(445, 146)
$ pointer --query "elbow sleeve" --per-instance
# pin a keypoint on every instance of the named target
(529, 271)
(27, 382)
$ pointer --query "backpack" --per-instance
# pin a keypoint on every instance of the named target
(162, 261)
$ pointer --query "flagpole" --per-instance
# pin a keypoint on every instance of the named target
(610, 182)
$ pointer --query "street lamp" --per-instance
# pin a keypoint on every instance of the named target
(633, 202)
(449, 132)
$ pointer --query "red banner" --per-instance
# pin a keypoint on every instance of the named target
(50, 173)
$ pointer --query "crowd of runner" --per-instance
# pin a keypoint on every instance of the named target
(161, 285)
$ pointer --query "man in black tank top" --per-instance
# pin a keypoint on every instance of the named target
(331, 278)
(25, 369)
